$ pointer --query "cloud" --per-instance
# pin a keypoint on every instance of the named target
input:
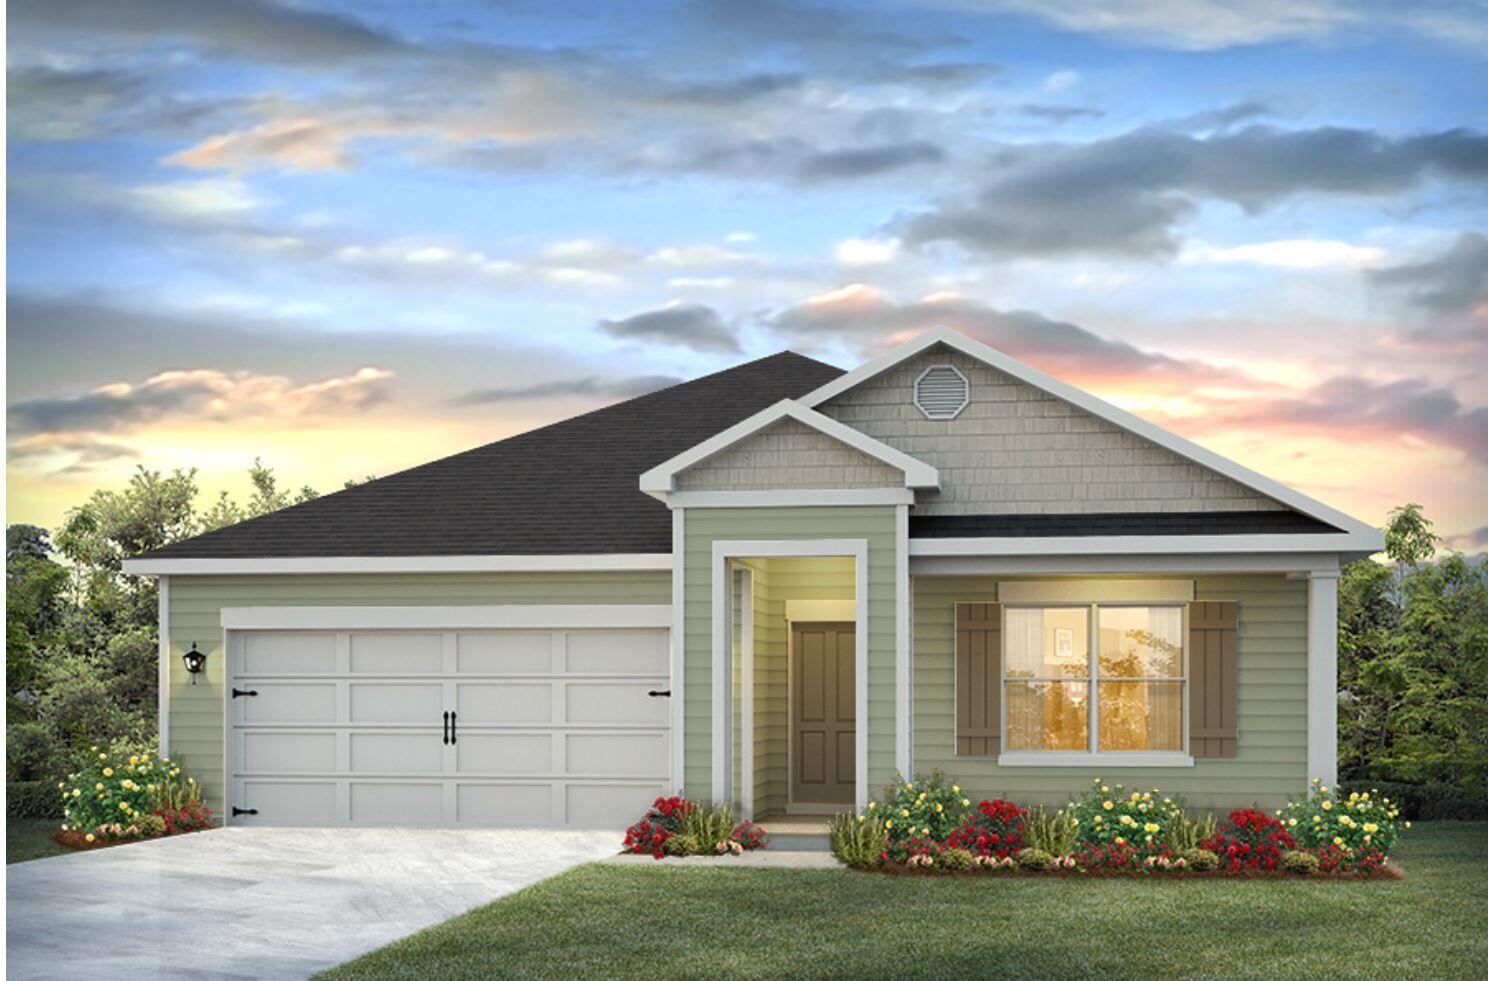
(1287, 254)
(568, 388)
(1060, 114)
(690, 325)
(50, 103)
(257, 29)
(1188, 25)
(859, 252)
(1453, 281)
(1126, 195)
(864, 317)
(867, 161)
(203, 393)
(65, 453)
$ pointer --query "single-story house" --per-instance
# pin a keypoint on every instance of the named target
(780, 585)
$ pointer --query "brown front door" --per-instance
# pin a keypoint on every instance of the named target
(823, 724)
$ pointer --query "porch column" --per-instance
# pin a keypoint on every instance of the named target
(1322, 676)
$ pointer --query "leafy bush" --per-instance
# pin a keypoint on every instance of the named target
(921, 814)
(749, 836)
(1431, 801)
(649, 835)
(710, 825)
(994, 828)
(1199, 859)
(681, 845)
(1054, 832)
(1110, 816)
(32, 799)
(1185, 833)
(1299, 862)
(1250, 839)
(858, 841)
(1119, 856)
(1357, 832)
(117, 787)
(1034, 860)
(956, 859)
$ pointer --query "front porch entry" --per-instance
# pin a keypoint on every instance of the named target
(790, 677)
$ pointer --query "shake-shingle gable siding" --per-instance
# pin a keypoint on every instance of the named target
(790, 456)
(568, 488)
(1017, 450)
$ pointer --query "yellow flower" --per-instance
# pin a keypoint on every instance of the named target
(1151, 828)
(1354, 795)
(1292, 822)
(1107, 805)
(1407, 824)
(123, 805)
(1327, 805)
(108, 771)
(103, 756)
(88, 837)
(77, 793)
(903, 813)
(1097, 819)
(98, 786)
(1120, 841)
(938, 808)
(1322, 790)
(1105, 790)
(62, 786)
(872, 805)
(888, 824)
(1337, 841)
(909, 786)
(955, 789)
(965, 802)
(1315, 819)
(1367, 839)
(862, 818)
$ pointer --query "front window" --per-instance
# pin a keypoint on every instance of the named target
(1093, 678)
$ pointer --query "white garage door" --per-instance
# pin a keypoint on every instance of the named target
(517, 728)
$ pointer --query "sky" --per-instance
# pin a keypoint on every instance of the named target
(352, 237)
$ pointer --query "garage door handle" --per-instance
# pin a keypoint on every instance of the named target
(446, 729)
(660, 693)
(454, 729)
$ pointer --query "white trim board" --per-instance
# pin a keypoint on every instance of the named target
(1090, 565)
(661, 480)
(164, 693)
(1102, 409)
(679, 650)
(791, 498)
(721, 722)
(1345, 544)
(599, 562)
(549, 617)
(1096, 591)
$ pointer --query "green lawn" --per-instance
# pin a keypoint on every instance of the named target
(28, 838)
(625, 921)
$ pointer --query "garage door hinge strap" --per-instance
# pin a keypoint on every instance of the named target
(240, 692)
(239, 811)
(660, 693)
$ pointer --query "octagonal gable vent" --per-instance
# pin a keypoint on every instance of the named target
(941, 392)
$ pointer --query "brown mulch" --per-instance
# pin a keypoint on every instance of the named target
(78, 840)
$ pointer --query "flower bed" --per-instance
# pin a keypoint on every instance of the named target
(122, 797)
(925, 827)
(678, 827)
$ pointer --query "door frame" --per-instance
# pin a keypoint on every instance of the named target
(235, 620)
(724, 551)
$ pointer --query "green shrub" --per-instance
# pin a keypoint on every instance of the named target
(1199, 859)
(1301, 863)
(120, 787)
(956, 859)
(1034, 860)
(1357, 829)
(709, 825)
(1429, 801)
(858, 841)
(1106, 815)
(681, 845)
(1054, 833)
(32, 799)
(1186, 833)
(150, 825)
(920, 815)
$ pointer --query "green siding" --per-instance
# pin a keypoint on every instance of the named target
(196, 602)
(1272, 760)
(706, 525)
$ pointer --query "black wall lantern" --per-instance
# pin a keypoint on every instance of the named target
(195, 660)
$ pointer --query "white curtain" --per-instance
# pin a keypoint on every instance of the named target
(1165, 699)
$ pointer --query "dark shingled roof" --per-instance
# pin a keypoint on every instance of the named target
(566, 488)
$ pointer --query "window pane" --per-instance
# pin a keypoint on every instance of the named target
(1052, 642)
(1048, 715)
(1141, 641)
(1141, 715)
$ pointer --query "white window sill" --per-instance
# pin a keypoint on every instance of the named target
(1106, 760)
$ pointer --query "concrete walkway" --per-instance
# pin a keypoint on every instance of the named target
(263, 902)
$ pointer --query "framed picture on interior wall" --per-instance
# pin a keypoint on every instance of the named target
(1064, 643)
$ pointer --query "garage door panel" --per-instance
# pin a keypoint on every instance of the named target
(287, 653)
(286, 752)
(615, 703)
(396, 804)
(610, 753)
(504, 754)
(397, 653)
(609, 805)
(288, 702)
(618, 652)
(396, 752)
(289, 803)
(513, 652)
(504, 805)
(382, 703)
(504, 703)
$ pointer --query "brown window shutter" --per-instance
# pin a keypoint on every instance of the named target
(978, 679)
(1213, 678)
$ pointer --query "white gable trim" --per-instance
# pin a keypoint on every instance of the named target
(661, 479)
(399, 564)
(1101, 409)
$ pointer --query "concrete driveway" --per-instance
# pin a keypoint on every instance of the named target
(264, 902)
